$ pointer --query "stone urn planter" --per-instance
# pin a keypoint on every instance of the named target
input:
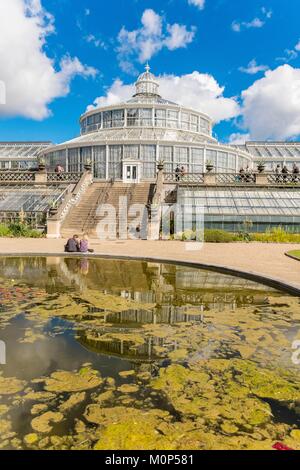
(160, 166)
(261, 168)
(209, 167)
(53, 211)
(42, 166)
(88, 165)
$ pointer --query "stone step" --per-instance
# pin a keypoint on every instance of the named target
(83, 217)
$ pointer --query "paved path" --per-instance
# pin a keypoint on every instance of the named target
(267, 260)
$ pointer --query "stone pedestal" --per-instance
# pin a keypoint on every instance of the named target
(41, 177)
(53, 228)
(210, 179)
(262, 179)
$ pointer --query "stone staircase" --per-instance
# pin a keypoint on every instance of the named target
(83, 218)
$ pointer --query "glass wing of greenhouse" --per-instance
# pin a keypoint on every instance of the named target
(29, 199)
(20, 155)
(229, 208)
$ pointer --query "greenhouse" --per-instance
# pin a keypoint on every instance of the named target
(231, 208)
(126, 141)
(123, 145)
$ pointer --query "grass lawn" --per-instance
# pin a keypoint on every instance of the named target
(295, 253)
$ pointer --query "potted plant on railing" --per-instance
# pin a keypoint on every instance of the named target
(53, 209)
(41, 164)
(261, 167)
(88, 165)
(209, 166)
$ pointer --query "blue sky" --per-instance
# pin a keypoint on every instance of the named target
(218, 40)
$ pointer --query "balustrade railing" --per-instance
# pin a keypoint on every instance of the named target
(233, 179)
(66, 177)
(16, 176)
(186, 178)
(283, 178)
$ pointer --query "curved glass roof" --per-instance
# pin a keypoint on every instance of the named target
(243, 202)
(28, 199)
(22, 149)
(140, 134)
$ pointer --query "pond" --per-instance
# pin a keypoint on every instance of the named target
(110, 354)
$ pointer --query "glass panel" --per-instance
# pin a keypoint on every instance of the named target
(132, 117)
(197, 160)
(100, 162)
(73, 160)
(56, 158)
(85, 156)
(166, 153)
(185, 121)
(148, 156)
(160, 118)
(115, 161)
(118, 118)
(107, 117)
(145, 117)
(132, 152)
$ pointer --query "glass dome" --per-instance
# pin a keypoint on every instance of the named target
(147, 84)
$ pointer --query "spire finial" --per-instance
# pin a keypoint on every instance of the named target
(147, 67)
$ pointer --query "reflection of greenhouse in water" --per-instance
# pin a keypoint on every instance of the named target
(152, 283)
(121, 347)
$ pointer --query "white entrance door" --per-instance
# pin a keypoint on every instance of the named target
(131, 173)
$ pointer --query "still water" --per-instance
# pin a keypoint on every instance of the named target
(108, 354)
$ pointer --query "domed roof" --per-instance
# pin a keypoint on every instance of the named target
(147, 85)
(147, 75)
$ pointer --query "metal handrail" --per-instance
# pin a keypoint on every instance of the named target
(101, 198)
(60, 199)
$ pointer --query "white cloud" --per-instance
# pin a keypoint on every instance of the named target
(290, 54)
(257, 22)
(271, 106)
(253, 68)
(146, 41)
(197, 3)
(31, 79)
(196, 90)
(97, 42)
(117, 93)
(268, 13)
(238, 138)
(178, 37)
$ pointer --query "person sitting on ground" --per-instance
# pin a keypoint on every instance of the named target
(84, 245)
(72, 245)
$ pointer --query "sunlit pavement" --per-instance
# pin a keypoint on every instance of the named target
(260, 258)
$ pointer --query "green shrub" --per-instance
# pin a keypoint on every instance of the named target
(18, 230)
(4, 231)
(219, 236)
(277, 235)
